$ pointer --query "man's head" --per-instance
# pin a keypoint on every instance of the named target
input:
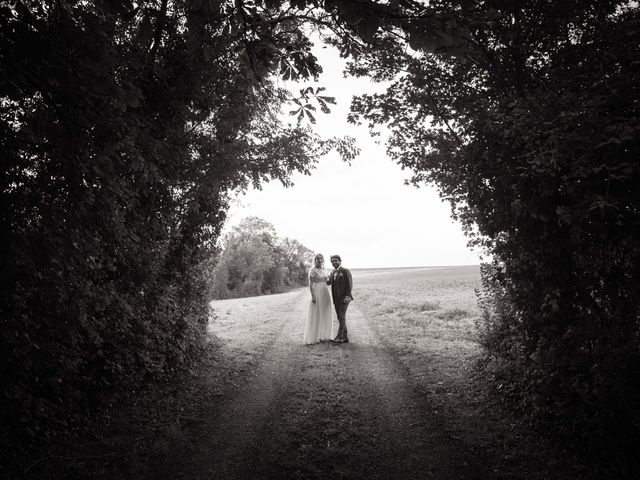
(336, 261)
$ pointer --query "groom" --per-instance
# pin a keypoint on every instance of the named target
(340, 281)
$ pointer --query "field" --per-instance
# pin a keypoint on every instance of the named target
(427, 316)
(432, 308)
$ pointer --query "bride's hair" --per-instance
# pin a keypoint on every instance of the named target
(318, 256)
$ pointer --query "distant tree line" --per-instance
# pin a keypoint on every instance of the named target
(255, 261)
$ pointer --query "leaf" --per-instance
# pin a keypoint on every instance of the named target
(323, 106)
(331, 100)
(311, 117)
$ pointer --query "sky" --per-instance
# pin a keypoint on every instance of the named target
(364, 211)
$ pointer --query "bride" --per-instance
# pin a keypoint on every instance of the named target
(318, 326)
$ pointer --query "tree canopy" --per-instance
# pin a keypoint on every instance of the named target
(255, 261)
(526, 117)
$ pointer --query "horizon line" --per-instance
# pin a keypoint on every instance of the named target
(416, 266)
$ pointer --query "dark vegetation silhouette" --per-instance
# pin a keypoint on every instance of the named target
(527, 118)
(125, 127)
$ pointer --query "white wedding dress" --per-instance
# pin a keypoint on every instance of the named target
(318, 325)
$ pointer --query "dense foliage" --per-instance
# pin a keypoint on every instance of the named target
(124, 127)
(527, 118)
(255, 261)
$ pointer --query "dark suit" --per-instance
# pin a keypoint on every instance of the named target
(341, 283)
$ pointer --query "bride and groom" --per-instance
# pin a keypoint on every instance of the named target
(318, 325)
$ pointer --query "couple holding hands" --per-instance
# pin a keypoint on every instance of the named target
(318, 325)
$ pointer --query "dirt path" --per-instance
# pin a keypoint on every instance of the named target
(321, 411)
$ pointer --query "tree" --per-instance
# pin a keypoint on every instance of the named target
(124, 127)
(296, 258)
(254, 261)
(526, 117)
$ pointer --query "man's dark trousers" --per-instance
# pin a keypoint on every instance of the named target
(341, 311)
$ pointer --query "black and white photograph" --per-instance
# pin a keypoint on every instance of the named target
(320, 240)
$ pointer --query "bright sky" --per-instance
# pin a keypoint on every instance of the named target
(364, 212)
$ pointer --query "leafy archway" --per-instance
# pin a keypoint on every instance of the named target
(125, 125)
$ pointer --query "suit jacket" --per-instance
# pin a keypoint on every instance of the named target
(341, 282)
